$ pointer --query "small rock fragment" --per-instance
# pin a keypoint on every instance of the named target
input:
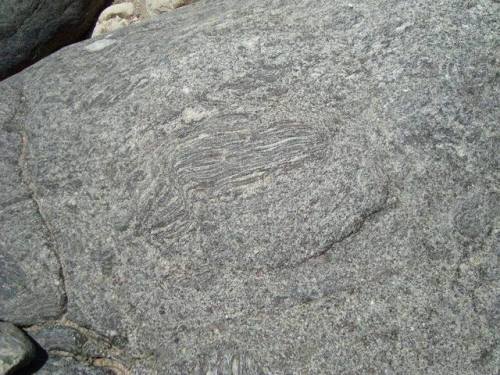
(190, 115)
(155, 7)
(16, 350)
(100, 45)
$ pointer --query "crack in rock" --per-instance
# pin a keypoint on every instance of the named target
(32, 289)
(386, 203)
(27, 180)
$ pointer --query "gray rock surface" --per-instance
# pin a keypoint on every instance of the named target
(31, 29)
(73, 340)
(30, 275)
(311, 186)
(57, 365)
(16, 350)
(60, 338)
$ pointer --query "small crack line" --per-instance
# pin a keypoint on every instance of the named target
(19, 114)
(27, 180)
(356, 228)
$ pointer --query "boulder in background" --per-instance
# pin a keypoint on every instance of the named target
(32, 29)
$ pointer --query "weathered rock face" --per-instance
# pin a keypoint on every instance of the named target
(32, 289)
(156, 7)
(275, 187)
(31, 29)
(16, 350)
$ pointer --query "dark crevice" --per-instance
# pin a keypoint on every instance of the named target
(39, 359)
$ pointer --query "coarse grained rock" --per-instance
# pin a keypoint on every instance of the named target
(30, 273)
(156, 7)
(32, 29)
(311, 186)
(57, 365)
(73, 340)
(16, 350)
(60, 338)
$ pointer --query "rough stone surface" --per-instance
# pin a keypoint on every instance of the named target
(16, 350)
(30, 275)
(57, 365)
(311, 186)
(156, 7)
(31, 29)
(73, 340)
(60, 338)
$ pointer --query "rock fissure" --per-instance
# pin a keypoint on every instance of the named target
(27, 180)
(386, 203)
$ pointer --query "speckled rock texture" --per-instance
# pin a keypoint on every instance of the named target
(30, 271)
(32, 29)
(261, 187)
(16, 349)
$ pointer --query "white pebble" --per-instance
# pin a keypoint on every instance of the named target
(99, 45)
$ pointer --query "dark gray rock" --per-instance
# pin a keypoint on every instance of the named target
(77, 342)
(32, 29)
(60, 338)
(16, 349)
(312, 185)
